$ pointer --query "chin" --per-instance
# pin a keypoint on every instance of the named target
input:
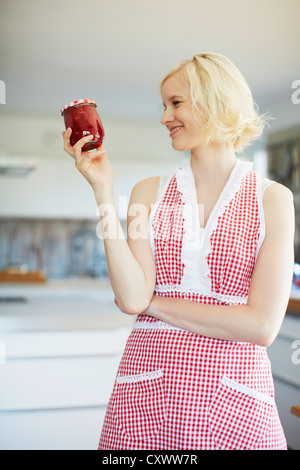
(178, 147)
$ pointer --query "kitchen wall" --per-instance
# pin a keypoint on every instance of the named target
(59, 247)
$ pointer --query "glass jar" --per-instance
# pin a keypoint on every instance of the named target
(83, 118)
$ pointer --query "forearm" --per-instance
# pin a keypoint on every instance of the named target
(125, 272)
(240, 323)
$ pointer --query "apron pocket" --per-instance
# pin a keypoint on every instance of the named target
(239, 416)
(139, 404)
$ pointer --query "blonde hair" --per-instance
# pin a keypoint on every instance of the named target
(221, 95)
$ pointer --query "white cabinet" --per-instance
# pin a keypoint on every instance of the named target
(33, 195)
(53, 189)
(55, 387)
(66, 429)
(56, 189)
(286, 373)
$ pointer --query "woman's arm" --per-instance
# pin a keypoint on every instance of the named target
(260, 319)
(130, 262)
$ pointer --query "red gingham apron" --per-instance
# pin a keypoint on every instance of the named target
(179, 390)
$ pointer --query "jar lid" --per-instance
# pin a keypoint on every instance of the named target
(76, 102)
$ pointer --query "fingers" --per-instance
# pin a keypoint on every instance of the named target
(76, 150)
(78, 146)
(83, 160)
(67, 145)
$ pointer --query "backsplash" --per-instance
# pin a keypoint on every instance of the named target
(61, 248)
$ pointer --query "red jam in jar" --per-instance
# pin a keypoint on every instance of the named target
(83, 118)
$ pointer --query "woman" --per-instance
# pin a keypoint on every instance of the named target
(210, 282)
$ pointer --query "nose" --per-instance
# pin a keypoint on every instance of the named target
(167, 116)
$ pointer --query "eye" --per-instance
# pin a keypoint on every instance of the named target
(175, 103)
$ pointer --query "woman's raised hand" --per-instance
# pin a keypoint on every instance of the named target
(94, 166)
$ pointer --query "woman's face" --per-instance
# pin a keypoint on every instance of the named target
(186, 133)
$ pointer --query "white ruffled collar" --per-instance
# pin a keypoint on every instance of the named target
(196, 244)
(186, 184)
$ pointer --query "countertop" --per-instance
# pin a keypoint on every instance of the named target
(83, 304)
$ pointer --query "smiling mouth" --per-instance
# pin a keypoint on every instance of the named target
(174, 130)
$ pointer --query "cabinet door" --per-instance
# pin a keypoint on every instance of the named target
(40, 384)
(286, 396)
(66, 429)
(32, 195)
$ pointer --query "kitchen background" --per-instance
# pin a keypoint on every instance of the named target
(61, 336)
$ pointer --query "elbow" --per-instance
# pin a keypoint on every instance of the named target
(264, 340)
(266, 334)
(263, 325)
(268, 339)
(132, 307)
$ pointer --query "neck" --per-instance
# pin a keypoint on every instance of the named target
(213, 163)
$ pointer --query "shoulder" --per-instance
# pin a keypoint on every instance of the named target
(146, 188)
(278, 204)
(148, 184)
(279, 195)
(145, 191)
